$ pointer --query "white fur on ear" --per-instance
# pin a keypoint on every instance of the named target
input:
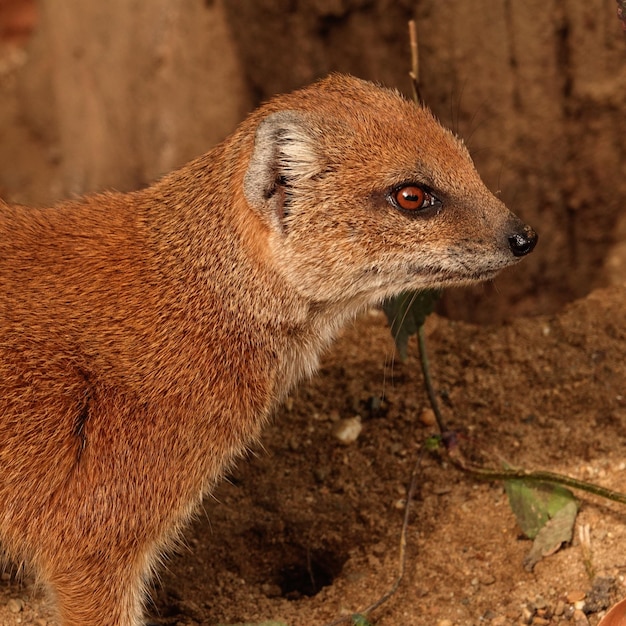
(283, 155)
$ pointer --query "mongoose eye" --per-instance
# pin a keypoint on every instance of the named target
(413, 198)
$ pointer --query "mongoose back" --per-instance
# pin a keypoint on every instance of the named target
(146, 337)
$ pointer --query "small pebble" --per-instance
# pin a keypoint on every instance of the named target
(575, 596)
(579, 618)
(271, 590)
(320, 474)
(444, 622)
(527, 615)
(334, 415)
(347, 430)
(427, 417)
(15, 605)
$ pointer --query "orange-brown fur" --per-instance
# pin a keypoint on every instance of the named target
(146, 337)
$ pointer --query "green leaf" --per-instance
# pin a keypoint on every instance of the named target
(360, 620)
(406, 313)
(433, 443)
(534, 503)
(545, 513)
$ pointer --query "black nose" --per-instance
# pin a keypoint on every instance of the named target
(523, 242)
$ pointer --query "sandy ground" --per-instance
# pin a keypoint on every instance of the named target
(307, 530)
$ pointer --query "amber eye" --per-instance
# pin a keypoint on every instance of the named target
(410, 198)
(413, 198)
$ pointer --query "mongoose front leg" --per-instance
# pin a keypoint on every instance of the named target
(98, 594)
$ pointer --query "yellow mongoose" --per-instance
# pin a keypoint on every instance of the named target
(146, 337)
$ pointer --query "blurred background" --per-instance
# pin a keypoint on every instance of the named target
(99, 95)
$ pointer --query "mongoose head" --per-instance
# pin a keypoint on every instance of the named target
(367, 195)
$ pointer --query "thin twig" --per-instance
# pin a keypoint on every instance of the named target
(402, 553)
(621, 13)
(415, 71)
(540, 476)
(430, 390)
(405, 524)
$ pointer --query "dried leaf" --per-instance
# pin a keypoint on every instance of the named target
(557, 531)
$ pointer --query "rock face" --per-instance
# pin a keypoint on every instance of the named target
(128, 91)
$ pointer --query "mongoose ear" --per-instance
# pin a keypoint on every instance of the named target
(283, 155)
